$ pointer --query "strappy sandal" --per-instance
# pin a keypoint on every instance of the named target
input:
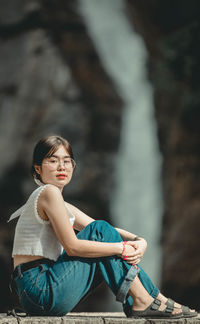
(185, 309)
(153, 312)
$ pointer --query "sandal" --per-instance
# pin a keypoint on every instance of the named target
(185, 309)
(153, 312)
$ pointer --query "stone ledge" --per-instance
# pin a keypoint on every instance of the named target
(92, 318)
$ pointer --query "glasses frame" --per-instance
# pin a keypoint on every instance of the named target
(61, 161)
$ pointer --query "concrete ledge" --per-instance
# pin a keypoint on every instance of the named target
(92, 318)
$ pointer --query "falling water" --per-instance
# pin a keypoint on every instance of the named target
(137, 203)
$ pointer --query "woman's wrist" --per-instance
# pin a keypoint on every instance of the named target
(119, 247)
(138, 238)
(123, 249)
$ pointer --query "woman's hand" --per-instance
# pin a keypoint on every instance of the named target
(139, 250)
(128, 252)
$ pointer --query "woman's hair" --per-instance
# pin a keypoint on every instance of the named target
(46, 147)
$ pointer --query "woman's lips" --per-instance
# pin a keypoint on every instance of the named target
(61, 176)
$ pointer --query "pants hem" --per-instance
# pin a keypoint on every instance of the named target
(126, 284)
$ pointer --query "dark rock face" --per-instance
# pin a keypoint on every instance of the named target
(171, 31)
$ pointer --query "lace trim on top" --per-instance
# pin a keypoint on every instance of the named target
(40, 220)
(20, 211)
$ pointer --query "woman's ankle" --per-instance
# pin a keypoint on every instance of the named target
(141, 303)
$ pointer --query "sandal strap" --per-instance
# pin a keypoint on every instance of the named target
(156, 304)
(153, 312)
(185, 308)
(170, 303)
(168, 309)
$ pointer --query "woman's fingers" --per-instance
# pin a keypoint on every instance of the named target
(135, 256)
(132, 259)
(133, 262)
(133, 244)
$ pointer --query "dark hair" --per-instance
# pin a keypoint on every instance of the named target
(46, 147)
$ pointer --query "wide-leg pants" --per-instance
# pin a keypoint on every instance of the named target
(55, 289)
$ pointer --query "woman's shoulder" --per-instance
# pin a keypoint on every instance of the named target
(49, 192)
(44, 193)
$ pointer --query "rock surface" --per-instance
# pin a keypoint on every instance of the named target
(93, 318)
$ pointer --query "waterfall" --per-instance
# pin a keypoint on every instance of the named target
(137, 201)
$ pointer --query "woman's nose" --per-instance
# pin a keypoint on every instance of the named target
(61, 165)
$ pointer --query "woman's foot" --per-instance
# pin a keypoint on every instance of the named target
(141, 304)
(164, 300)
(175, 305)
(142, 299)
(156, 310)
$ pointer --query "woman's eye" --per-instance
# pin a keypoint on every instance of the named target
(53, 161)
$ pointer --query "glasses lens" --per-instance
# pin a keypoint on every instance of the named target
(54, 163)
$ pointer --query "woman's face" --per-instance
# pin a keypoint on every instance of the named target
(57, 169)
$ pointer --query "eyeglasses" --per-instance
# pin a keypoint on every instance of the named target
(53, 163)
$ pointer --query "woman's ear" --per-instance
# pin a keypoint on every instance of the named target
(37, 168)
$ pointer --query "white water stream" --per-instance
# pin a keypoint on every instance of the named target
(137, 201)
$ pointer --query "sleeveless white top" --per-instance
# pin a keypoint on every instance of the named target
(33, 235)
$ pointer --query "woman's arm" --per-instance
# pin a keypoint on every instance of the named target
(52, 203)
(127, 236)
(81, 219)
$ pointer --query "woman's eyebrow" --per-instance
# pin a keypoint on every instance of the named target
(56, 156)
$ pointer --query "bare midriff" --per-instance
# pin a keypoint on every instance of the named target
(18, 259)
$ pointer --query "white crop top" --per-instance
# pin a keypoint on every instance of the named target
(33, 235)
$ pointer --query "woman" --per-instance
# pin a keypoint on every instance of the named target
(54, 268)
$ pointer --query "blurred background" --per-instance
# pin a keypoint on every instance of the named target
(120, 80)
